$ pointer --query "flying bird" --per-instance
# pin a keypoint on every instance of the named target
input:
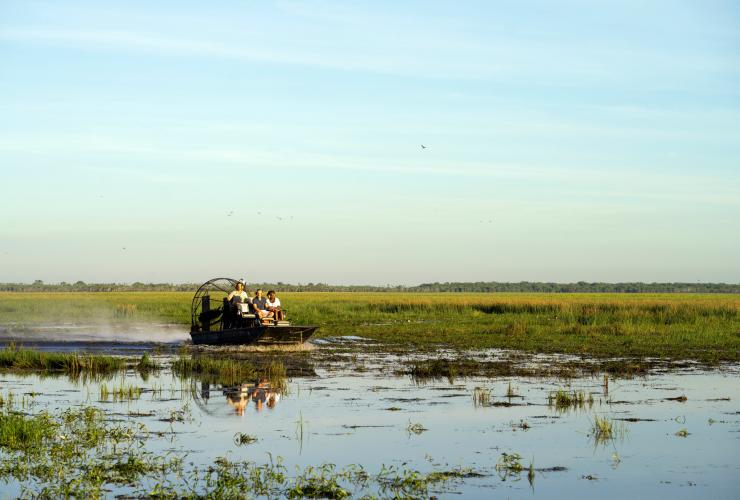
(423, 146)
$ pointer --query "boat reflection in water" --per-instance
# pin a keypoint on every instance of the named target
(260, 393)
(238, 397)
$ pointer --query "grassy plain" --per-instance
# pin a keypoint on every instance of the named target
(704, 327)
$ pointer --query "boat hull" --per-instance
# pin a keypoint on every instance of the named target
(265, 334)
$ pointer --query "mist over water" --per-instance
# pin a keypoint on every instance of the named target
(93, 333)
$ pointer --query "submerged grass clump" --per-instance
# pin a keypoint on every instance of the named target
(240, 439)
(14, 358)
(225, 370)
(563, 400)
(509, 464)
(481, 397)
(433, 369)
(18, 432)
(124, 392)
(605, 430)
(415, 428)
(229, 371)
(73, 364)
(81, 453)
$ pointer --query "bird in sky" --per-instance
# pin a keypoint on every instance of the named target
(231, 212)
(123, 248)
(423, 146)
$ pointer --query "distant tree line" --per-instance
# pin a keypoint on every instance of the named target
(480, 286)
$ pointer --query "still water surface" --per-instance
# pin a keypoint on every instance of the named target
(344, 417)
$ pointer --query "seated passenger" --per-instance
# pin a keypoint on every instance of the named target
(259, 303)
(238, 295)
(273, 305)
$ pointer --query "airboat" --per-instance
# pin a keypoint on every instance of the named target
(216, 321)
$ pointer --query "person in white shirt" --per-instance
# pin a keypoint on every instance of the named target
(238, 295)
(273, 305)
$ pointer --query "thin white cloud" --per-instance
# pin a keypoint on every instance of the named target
(423, 55)
(623, 183)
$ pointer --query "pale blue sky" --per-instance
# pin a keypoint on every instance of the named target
(600, 139)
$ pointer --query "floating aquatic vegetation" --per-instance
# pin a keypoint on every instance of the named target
(415, 428)
(509, 464)
(74, 453)
(522, 424)
(241, 439)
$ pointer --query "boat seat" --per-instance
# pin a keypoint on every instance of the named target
(244, 312)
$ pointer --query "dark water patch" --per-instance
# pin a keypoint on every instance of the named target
(680, 399)
(557, 468)
(635, 419)
(347, 426)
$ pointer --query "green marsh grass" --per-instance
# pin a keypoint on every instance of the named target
(481, 397)
(226, 371)
(74, 365)
(509, 464)
(19, 432)
(13, 358)
(81, 453)
(563, 400)
(240, 439)
(124, 392)
(704, 327)
(230, 371)
(605, 430)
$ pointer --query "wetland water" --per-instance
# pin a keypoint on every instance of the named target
(354, 409)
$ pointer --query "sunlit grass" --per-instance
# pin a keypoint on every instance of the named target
(563, 400)
(73, 364)
(698, 326)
